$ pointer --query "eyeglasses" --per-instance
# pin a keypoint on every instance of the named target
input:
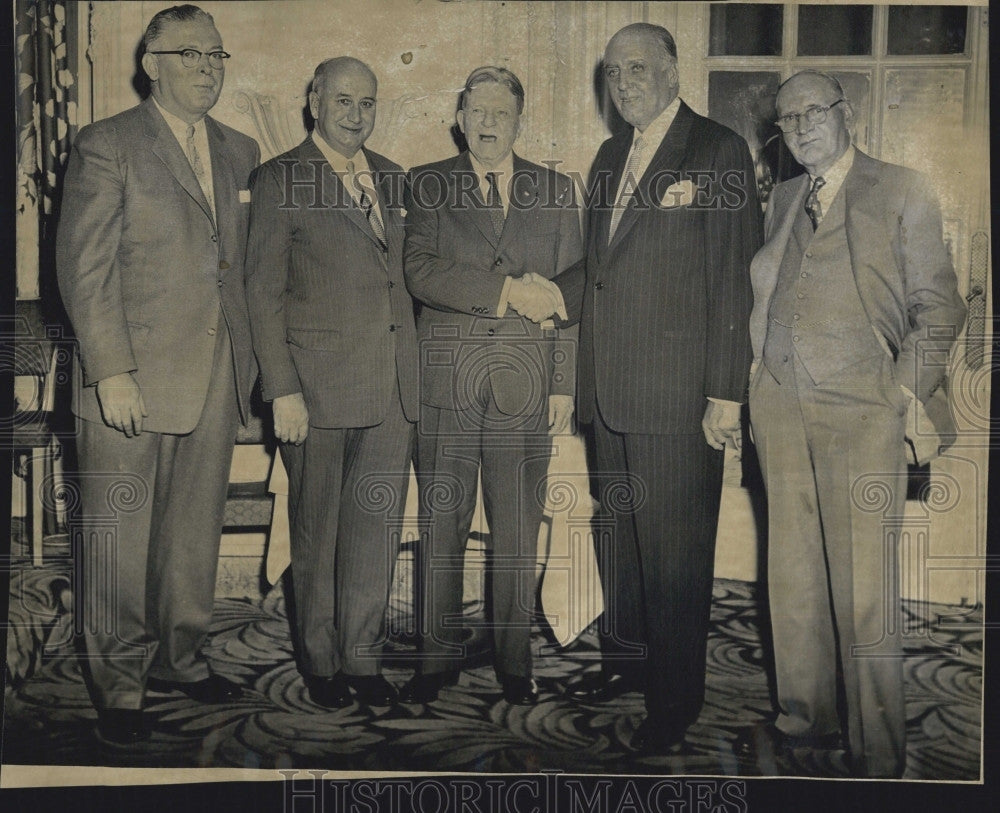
(812, 115)
(191, 57)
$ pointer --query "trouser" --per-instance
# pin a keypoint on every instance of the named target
(835, 472)
(346, 494)
(150, 519)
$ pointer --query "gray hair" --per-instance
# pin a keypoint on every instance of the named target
(493, 74)
(174, 14)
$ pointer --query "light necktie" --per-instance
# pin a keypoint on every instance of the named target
(198, 167)
(813, 208)
(369, 209)
(628, 184)
(495, 204)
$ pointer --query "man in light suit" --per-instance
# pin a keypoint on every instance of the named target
(663, 297)
(150, 265)
(855, 309)
(334, 334)
(493, 383)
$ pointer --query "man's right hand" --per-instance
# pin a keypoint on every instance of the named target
(536, 298)
(291, 418)
(121, 403)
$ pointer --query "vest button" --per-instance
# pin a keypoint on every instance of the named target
(796, 316)
(809, 254)
(804, 274)
(800, 296)
(211, 331)
(784, 359)
(795, 338)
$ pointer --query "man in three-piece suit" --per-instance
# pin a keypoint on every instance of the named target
(855, 309)
(663, 298)
(334, 334)
(150, 266)
(480, 226)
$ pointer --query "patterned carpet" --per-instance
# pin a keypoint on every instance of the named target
(49, 719)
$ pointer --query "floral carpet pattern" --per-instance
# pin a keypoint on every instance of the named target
(49, 718)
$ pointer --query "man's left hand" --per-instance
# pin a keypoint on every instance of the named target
(722, 423)
(560, 413)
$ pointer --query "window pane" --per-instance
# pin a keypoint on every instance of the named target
(744, 102)
(927, 29)
(745, 29)
(835, 30)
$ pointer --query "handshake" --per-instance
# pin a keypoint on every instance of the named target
(536, 298)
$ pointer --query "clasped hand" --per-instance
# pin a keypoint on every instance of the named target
(536, 298)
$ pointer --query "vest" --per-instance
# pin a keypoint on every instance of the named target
(816, 312)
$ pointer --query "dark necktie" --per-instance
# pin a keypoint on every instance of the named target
(495, 204)
(813, 209)
(368, 208)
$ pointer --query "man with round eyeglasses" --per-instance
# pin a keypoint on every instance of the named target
(150, 252)
(855, 309)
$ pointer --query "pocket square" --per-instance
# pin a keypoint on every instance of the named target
(244, 195)
(678, 194)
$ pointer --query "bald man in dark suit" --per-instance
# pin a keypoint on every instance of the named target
(333, 330)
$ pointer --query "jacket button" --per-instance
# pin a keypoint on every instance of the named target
(599, 286)
(800, 296)
(392, 284)
(215, 238)
(219, 283)
(795, 338)
(809, 254)
(392, 328)
(491, 332)
(498, 261)
(223, 266)
(211, 331)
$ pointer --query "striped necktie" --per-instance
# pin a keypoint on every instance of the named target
(365, 202)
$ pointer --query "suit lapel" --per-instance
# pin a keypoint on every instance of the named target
(668, 156)
(223, 186)
(607, 179)
(168, 150)
(523, 195)
(477, 210)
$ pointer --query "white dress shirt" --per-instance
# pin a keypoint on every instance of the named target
(179, 128)
(363, 175)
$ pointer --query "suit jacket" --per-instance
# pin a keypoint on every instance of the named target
(456, 266)
(144, 264)
(664, 308)
(329, 310)
(901, 267)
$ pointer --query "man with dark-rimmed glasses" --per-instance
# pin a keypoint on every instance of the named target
(150, 264)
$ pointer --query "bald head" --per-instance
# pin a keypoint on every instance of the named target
(342, 103)
(814, 103)
(640, 69)
(330, 68)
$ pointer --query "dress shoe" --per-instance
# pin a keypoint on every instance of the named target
(657, 737)
(766, 740)
(373, 690)
(121, 726)
(424, 688)
(213, 689)
(328, 692)
(519, 691)
(600, 687)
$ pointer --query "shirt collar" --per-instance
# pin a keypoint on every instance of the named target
(658, 127)
(337, 162)
(177, 125)
(835, 175)
(504, 170)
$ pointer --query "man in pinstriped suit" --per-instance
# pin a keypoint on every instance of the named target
(333, 330)
(663, 297)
